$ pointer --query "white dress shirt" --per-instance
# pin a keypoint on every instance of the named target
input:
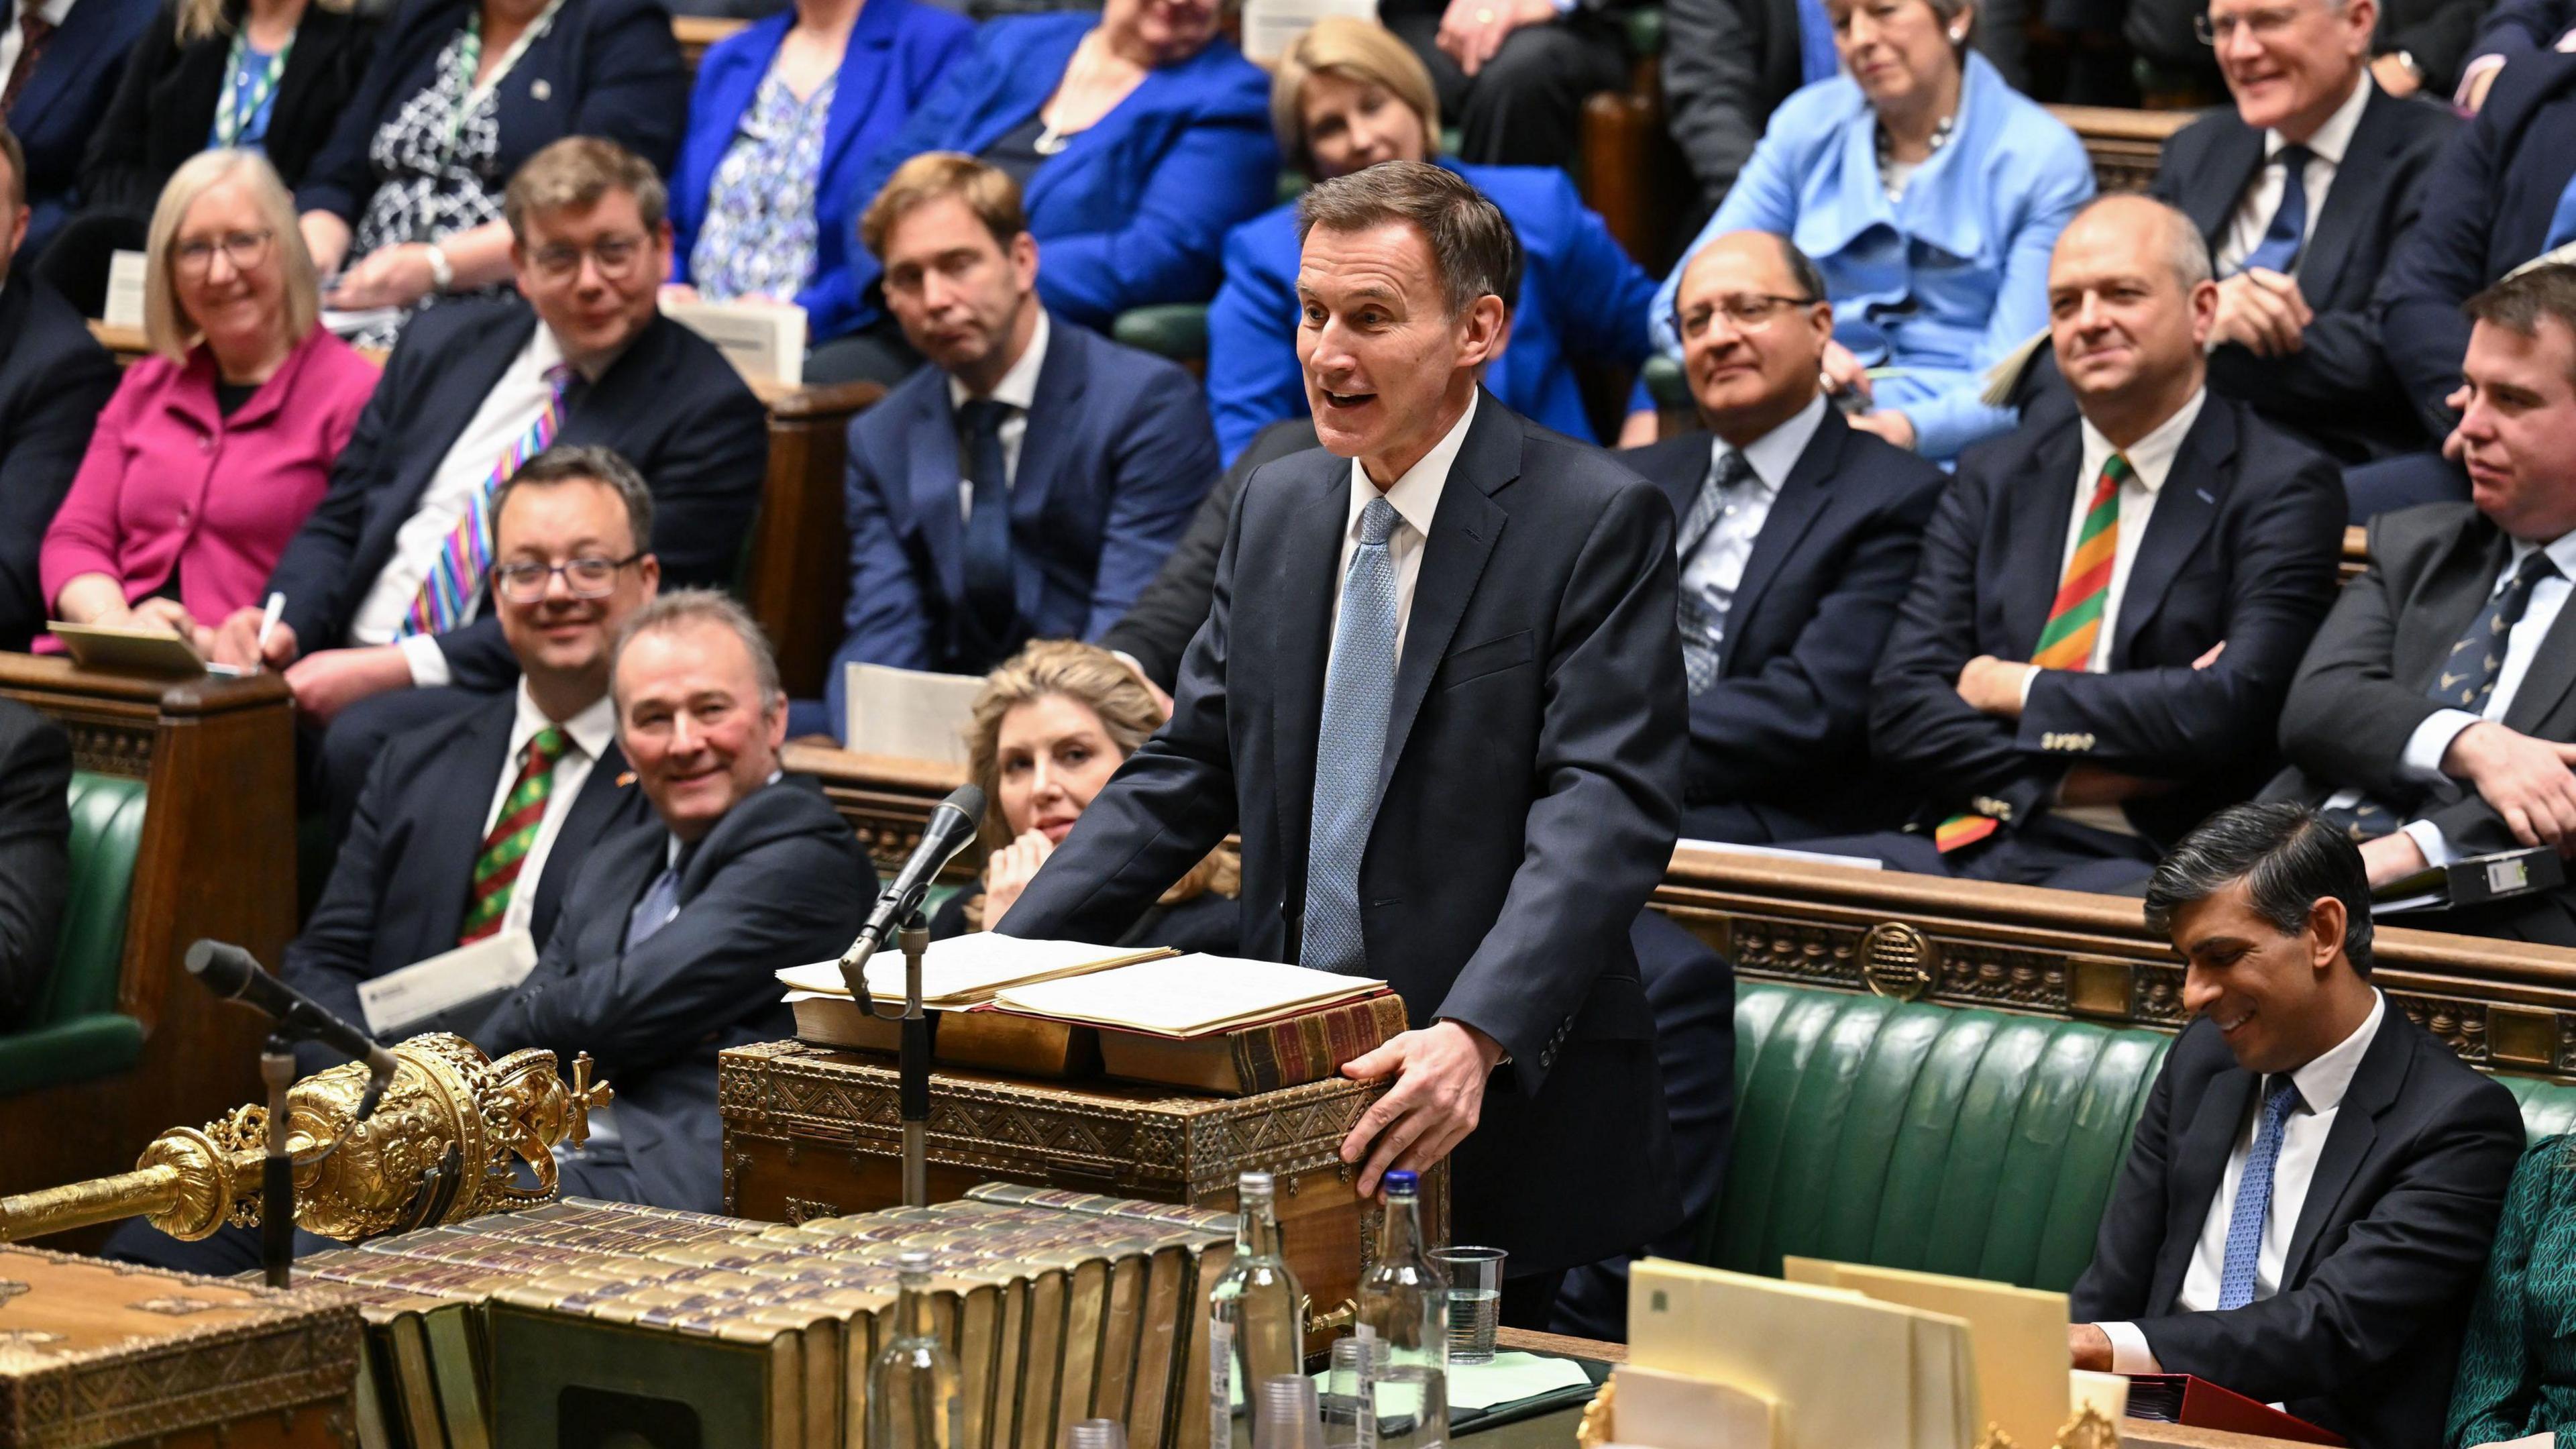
(2326, 149)
(2422, 760)
(1711, 572)
(13, 38)
(1018, 389)
(2322, 1084)
(587, 736)
(1415, 498)
(507, 412)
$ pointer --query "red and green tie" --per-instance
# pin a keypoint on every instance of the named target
(2074, 619)
(496, 867)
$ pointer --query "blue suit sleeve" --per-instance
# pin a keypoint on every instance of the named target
(1221, 171)
(1252, 375)
(1604, 297)
(1163, 464)
(887, 618)
(2441, 262)
(1765, 198)
(834, 302)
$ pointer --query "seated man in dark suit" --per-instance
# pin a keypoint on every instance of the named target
(2512, 30)
(54, 378)
(1028, 482)
(2407, 724)
(671, 939)
(384, 583)
(59, 64)
(2300, 189)
(2314, 1180)
(1798, 537)
(35, 868)
(2110, 605)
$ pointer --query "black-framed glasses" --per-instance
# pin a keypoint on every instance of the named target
(195, 256)
(1748, 311)
(526, 581)
(616, 255)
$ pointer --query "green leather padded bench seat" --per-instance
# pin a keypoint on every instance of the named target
(1953, 1140)
(75, 1031)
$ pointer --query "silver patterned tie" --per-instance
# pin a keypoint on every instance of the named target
(1359, 686)
(1700, 629)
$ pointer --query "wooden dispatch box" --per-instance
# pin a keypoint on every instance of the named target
(812, 1132)
(95, 1353)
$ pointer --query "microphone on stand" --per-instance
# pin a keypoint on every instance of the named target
(233, 974)
(952, 825)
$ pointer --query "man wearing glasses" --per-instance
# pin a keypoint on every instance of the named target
(385, 583)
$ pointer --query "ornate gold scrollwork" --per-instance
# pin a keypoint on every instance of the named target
(1899, 961)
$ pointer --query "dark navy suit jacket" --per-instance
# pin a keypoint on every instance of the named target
(1785, 728)
(1529, 792)
(54, 378)
(405, 874)
(897, 51)
(59, 108)
(604, 68)
(1132, 211)
(2486, 212)
(2338, 390)
(2241, 548)
(1117, 455)
(670, 404)
(780, 881)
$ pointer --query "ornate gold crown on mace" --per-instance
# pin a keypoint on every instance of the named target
(439, 1148)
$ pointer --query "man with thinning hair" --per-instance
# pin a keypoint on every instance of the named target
(1439, 694)
(2314, 1181)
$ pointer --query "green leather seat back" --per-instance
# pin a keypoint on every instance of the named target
(2548, 1108)
(107, 836)
(1177, 330)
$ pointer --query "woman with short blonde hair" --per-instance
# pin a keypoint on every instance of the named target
(168, 329)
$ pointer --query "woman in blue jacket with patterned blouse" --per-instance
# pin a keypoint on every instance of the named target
(1929, 192)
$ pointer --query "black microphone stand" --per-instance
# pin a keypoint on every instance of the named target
(277, 1175)
(912, 1065)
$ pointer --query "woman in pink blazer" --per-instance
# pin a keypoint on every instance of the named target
(215, 447)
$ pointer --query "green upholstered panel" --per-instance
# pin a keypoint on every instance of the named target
(1665, 382)
(107, 835)
(1177, 330)
(1646, 30)
(62, 1052)
(2548, 1108)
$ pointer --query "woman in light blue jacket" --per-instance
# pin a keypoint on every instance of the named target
(1929, 192)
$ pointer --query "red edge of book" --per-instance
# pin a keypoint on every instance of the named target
(2207, 1406)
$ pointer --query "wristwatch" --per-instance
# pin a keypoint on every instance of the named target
(2414, 67)
(442, 273)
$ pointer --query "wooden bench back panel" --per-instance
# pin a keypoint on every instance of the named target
(800, 565)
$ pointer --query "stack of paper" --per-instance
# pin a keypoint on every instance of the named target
(2018, 1337)
(907, 714)
(1185, 996)
(967, 970)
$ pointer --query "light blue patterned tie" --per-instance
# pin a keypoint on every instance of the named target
(1701, 628)
(2254, 1197)
(660, 904)
(1359, 687)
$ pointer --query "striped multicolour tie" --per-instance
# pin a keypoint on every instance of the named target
(456, 576)
(505, 849)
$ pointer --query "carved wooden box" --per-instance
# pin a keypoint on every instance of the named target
(811, 1132)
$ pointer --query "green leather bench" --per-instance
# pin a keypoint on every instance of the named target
(75, 1032)
(1978, 1143)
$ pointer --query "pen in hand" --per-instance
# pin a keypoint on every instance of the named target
(268, 617)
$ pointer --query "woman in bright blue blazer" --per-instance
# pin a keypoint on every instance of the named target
(1138, 137)
(891, 53)
(1349, 95)
(1940, 280)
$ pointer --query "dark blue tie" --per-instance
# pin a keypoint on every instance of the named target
(2254, 1196)
(2279, 248)
(990, 601)
(661, 901)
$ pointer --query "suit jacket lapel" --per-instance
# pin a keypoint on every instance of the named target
(451, 814)
(2545, 683)
(2042, 504)
(2199, 1166)
(1300, 583)
(1803, 496)
(604, 793)
(2185, 506)
(2234, 163)
(2429, 623)
(933, 478)
(2351, 198)
(1053, 413)
(2375, 1084)
(1463, 530)
(857, 90)
(461, 387)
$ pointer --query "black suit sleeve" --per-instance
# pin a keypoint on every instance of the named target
(115, 172)
(2115, 1284)
(40, 453)
(2519, 27)
(1713, 52)
(2439, 263)
(35, 863)
(2347, 718)
(315, 571)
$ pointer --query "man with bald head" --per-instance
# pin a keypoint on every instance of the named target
(2110, 605)
(1798, 536)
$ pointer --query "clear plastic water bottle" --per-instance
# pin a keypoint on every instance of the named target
(1404, 1297)
(913, 1398)
(1256, 1318)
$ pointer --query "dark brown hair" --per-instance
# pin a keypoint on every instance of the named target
(1472, 246)
(576, 172)
(2519, 301)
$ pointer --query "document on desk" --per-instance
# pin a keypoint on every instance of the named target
(399, 1000)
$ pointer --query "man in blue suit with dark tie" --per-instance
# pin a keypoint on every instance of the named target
(1029, 482)
(59, 63)
(1439, 695)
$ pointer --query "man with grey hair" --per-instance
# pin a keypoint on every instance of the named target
(671, 939)
(1450, 732)
(2110, 605)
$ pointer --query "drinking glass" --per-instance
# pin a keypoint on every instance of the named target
(1475, 1297)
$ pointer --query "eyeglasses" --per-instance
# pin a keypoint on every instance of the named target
(526, 582)
(617, 257)
(1748, 312)
(2264, 25)
(244, 249)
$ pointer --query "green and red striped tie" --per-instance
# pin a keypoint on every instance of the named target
(505, 849)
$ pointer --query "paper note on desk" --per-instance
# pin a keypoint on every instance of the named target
(1186, 996)
(908, 714)
(2019, 1336)
(966, 970)
(397, 1000)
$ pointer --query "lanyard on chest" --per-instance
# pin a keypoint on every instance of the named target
(242, 103)
(469, 58)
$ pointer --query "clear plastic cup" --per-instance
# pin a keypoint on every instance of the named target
(1287, 1417)
(1412, 1407)
(1475, 1299)
(1094, 1434)
(1350, 1418)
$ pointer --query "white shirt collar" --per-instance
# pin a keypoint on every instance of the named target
(2561, 551)
(2151, 457)
(54, 11)
(1019, 386)
(592, 730)
(1416, 495)
(2323, 1082)
(2335, 136)
(1776, 452)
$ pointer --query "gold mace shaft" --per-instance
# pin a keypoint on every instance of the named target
(143, 1193)
(184, 1183)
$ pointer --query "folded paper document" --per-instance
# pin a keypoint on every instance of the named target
(399, 1000)
(1650, 1407)
(2018, 1337)
(1185, 996)
(967, 970)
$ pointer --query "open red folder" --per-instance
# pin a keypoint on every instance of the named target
(2197, 1403)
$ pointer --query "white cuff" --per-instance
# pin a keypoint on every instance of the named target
(428, 665)
(2129, 1351)
(2469, 75)
(2029, 677)
(2422, 760)
(2428, 838)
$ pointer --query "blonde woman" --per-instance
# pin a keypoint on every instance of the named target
(217, 445)
(1052, 725)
